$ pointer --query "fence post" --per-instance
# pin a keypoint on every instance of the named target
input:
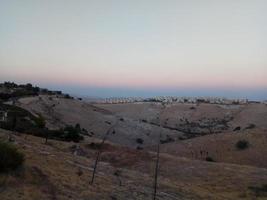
(156, 170)
(99, 152)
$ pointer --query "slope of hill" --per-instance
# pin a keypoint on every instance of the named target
(138, 120)
(199, 155)
(59, 112)
(222, 148)
(62, 170)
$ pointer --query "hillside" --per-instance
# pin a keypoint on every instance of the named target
(222, 148)
(57, 171)
(199, 157)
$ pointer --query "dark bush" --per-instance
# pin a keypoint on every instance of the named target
(40, 122)
(210, 159)
(67, 96)
(10, 84)
(238, 128)
(117, 173)
(139, 140)
(242, 144)
(72, 134)
(94, 146)
(182, 138)
(250, 126)
(10, 157)
(167, 140)
(260, 191)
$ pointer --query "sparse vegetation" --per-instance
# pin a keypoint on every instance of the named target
(242, 144)
(21, 120)
(10, 157)
(13, 90)
(259, 191)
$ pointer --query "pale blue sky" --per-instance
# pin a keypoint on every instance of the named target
(113, 48)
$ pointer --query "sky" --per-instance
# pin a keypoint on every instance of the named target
(142, 48)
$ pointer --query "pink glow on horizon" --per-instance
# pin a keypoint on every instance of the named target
(139, 82)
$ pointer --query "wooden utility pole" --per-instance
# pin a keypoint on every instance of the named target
(156, 170)
(99, 152)
(157, 161)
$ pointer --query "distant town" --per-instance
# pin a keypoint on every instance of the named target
(173, 99)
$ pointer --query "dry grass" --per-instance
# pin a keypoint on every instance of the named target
(53, 172)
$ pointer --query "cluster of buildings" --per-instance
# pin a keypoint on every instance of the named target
(170, 99)
(194, 100)
(115, 100)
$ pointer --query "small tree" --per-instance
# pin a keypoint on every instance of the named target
(139, 140)
(10, 157)
(242, 144)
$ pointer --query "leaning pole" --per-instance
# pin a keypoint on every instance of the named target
(156, 171)
(157, 160)
(99, 152)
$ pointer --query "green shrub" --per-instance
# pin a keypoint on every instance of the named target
(10, 157)
(40, 121)
(72, 133)
(242, 144)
